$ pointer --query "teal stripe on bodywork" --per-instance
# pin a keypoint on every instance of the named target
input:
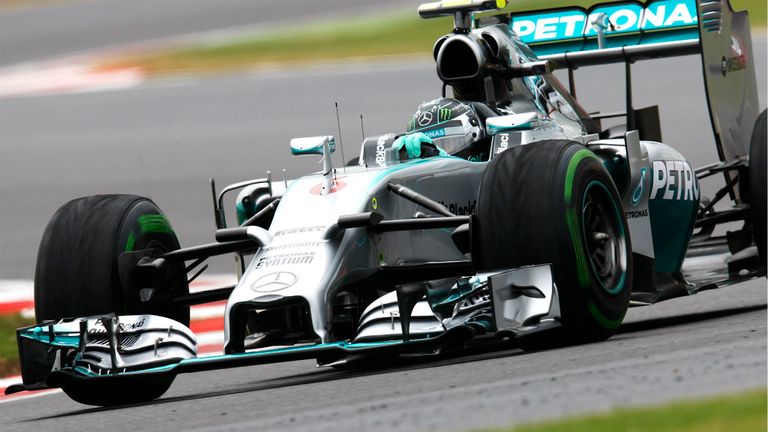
(58, 340)
(348, 346)
(395, 168)
(66, 341)
(672, 223)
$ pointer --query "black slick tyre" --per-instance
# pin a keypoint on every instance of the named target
(77, 276)
(553, 202)
(77, 273)
(757, 182)
(117, 390)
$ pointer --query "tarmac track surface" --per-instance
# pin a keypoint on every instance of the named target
(164, 139)
(711, 343)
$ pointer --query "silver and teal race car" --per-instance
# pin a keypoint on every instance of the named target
(505, 214)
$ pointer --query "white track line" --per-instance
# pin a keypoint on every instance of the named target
(13, 290)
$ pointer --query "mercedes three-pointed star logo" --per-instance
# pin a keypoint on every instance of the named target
(425, 118)
(272, 282)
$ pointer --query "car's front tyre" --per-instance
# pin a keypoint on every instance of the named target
(554, 202)
(77, 276)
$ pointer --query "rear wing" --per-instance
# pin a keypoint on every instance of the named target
(631, 31)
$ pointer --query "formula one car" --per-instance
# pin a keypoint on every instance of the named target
(505, 213)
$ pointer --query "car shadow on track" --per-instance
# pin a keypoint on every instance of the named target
(479, 353)
(671, 321)
(322, 375)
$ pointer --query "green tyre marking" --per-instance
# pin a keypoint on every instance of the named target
(156, 223)
(602, 320)
(131, 242)
(571, 217)
(617, 289)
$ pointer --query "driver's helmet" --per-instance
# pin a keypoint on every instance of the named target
(452, 125)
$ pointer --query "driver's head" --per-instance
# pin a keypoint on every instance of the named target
(452, 125)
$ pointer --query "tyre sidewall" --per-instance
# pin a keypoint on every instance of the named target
(144, 226)
(587, 302)
(757, 182)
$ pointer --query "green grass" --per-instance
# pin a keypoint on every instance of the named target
(9, 353)
(367, 37)
(745, 412)
(18, 4)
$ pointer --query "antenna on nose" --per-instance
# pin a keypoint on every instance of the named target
(341, 144)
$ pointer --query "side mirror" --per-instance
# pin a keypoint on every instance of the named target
(312, 145)
(320, 145)
(521, 121)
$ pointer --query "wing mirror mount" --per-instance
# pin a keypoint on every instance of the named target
(313, 145)
(320, 145)
(522, 121)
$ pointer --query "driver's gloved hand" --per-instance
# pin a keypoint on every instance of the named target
(416, 145)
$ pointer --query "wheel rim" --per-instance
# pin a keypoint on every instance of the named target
(604, 237)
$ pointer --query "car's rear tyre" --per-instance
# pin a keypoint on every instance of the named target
(551, 202)
(757, 182)
(77, 275)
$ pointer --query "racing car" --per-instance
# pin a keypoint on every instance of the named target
(505, 213)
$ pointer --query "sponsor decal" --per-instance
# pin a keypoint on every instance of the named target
(637, 195)
(122, 327)
(297, 245)
(380, 147)
(629, 17)
(299, 230)
(285, 259)
(503, 142)
(274, 282)
(634, 214)
(435, 112)
(435, 133)
(461, 209)
(443, 114)
(425, 118)
(674, 180)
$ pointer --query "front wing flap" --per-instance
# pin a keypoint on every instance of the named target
(47, 354)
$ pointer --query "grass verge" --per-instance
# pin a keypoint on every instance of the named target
(375, 36)
(329, 40)
(19, 4)
(744, 412)
(9, 353)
